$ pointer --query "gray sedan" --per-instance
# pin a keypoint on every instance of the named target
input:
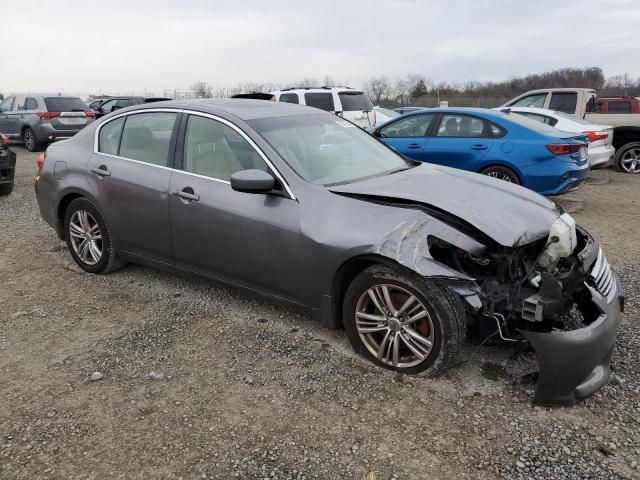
(308, 210)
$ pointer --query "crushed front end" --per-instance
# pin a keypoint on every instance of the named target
(558, 294)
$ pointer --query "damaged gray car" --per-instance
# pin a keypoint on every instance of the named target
(306, 209)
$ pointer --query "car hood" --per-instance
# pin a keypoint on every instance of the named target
(509, 214)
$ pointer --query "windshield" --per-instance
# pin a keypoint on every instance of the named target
(327, 150)
(355, 101)
(386, 112)
(573, 118)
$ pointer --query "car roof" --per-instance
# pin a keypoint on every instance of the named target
(486, 112)
(244, 109)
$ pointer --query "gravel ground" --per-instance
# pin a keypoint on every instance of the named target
(142, 374)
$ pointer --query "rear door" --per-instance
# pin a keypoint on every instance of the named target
(408, 135)
(565, 102)
(130, 174)
(459, 141)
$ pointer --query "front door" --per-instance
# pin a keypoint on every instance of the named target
(10, 117)
(460, 141)
(408, 136)
(130, 178)
(242, 238)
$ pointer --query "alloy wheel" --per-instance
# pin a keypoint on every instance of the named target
(86, 238)
(29, 140)
(630, 162)
(394, 326)
(499, 176)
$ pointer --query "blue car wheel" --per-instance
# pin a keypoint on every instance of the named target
(501, 173)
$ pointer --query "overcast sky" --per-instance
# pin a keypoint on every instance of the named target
(136, 45)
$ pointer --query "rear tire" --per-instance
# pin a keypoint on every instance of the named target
(89, 238)
(627, 158)
(374, 334)
(31, 143)
(501, 173)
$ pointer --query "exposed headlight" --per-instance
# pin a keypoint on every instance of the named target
(561, 243)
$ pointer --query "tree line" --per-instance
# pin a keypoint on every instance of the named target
(421, 90)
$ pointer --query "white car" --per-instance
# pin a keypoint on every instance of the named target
(600, 137)
(353, 105)
(384, 114)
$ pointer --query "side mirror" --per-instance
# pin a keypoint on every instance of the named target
(252, 181)
(115, 107)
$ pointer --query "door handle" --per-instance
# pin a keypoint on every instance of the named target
(187, 194)
(414, 145)
(479, 147)
(101, 171)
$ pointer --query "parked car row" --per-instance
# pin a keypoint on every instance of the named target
(622, 113)
(308, 210)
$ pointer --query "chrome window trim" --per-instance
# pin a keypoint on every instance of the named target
(201, 114)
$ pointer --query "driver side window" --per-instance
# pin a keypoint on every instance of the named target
(6, 104)
(414, 126)
(216, 150)
(535, 101)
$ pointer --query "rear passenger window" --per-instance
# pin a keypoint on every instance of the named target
(619, 107)
(31, 104)
(496, 130)
(216, 150)
(109, 140)
(146, 137)
(321, 100)
(289, 98)
(460, 126)
(564, 102)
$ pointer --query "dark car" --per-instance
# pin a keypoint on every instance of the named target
(116, 103)
(303, 208)
(7, 166)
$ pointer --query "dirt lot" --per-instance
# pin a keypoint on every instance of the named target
(250, 390)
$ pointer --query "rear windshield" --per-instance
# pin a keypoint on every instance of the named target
(530, 123)
(65, 104)
(573, 118)
(354, 101)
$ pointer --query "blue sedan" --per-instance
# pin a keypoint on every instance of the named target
(500, 144)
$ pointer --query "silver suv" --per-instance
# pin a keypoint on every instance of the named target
(41, 119)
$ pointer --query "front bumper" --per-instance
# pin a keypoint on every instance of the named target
(575, 364)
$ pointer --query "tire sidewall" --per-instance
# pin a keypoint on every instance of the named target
(504, 170)
(371, 277)
(107, 245)
(621, 153)
(34, 145)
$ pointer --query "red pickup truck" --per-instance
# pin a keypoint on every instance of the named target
(618, 105)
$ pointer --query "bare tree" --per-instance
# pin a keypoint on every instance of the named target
(378, 88)
(202, 89)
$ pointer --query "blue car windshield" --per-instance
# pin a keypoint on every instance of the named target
(327, 150)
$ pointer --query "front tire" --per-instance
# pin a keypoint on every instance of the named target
(501, 173)
(31, 143)
(627, 158)
(404, 322)
(88, 238)
(6, 189)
